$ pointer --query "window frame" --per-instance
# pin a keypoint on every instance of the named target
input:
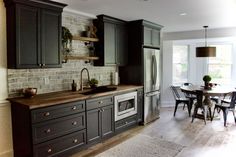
(188, 63)
(232, 58)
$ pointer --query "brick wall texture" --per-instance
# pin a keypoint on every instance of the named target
(59, 79)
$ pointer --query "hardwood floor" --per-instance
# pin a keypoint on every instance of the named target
(200, 140)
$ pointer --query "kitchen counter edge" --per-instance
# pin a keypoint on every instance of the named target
(54, 98)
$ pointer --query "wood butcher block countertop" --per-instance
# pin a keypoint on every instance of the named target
(49, 99)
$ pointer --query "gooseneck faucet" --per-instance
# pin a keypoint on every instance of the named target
(81, 77)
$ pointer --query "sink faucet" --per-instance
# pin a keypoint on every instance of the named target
(81, 78)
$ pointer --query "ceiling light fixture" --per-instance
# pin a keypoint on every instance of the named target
(183, 14)
(206, 51)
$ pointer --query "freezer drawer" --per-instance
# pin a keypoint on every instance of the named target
(151, 106)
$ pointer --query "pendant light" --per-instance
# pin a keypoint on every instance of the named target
(205, 51)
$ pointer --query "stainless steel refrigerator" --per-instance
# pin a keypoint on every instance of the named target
(152, 77)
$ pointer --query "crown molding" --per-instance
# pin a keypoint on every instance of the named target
(76, 12)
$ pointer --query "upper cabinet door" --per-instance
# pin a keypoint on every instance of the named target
(147, 36)
(51, 35)
(151, 37)
(121, 45)
(27, 37)
(110, 43)
(33, 34)
(156, 38)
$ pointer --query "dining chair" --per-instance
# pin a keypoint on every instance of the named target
(180, 98)
(199, 105)
(189, 95)
(226, 106)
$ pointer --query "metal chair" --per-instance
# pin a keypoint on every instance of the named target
(199, 104)
(189, 95)
(226, 106)
(180, 99)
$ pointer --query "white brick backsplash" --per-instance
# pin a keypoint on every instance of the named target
(61, 78)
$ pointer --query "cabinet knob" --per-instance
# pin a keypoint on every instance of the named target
(74, 123)
(100, 102)
(43, 65)
(48, 131)
(47, 114)
(102, 110)
(75, 141)
(126, 122)
(40, 65)
(49, 150)
(74, 108)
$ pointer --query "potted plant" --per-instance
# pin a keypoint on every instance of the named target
(206, 79)
(93, 83)
(66, 40)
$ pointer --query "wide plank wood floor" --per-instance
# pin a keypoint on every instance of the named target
(200, 140)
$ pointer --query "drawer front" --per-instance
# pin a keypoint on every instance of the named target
(47, 113)
(59, 145)
(98, 102)
(126, 122)
(54, 128)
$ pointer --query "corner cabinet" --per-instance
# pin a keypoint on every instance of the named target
(112, 47)
(33, 34)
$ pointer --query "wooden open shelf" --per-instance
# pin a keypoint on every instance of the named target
(87, 39)
(81, 58)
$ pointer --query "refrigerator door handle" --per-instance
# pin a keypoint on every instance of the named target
(152, 93)
(154, 70)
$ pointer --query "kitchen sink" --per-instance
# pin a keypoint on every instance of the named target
(100, 89)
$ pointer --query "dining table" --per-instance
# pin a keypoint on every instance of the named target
(220, 91)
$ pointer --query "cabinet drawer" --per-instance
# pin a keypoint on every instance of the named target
(47, 113)
(44, 131)
(126, 122)
(98, 102)
(59, 145)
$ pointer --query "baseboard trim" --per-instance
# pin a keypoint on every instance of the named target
(8, 153)
(4, 103)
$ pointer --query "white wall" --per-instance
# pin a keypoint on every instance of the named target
(197, 66)
(5, 112)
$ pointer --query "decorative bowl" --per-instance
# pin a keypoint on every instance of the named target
(29, 92)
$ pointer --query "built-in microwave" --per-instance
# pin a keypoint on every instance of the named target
(125, 105)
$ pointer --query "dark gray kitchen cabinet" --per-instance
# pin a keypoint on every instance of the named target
(33, 33)
(113, 41)
(48, 131)
(140, 107)
(100, 119)
(151, 36)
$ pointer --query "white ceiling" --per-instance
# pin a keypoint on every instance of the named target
(214, 13)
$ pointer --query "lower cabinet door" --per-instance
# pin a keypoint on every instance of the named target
(107, 120)
(93, 125)
(60, 145)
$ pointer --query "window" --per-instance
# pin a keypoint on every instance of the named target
(180, 64)
(220, 67)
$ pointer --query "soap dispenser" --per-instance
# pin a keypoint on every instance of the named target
(74, 86)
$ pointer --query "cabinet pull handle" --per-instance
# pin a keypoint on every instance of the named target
(75, 141)
(74, 123)
(43, 65)
(74, 108)
(47, 114)
(48, 131)
(49, 150)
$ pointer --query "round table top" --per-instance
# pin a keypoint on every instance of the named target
(217, 90)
